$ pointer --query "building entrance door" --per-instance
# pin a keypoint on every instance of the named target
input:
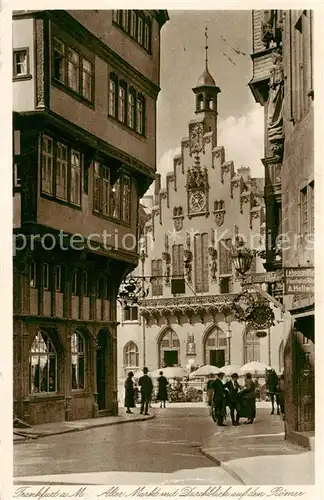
(217, 357)
(101, 369)
(170, 358)
(305, 384)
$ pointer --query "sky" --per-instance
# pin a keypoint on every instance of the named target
(240, 119)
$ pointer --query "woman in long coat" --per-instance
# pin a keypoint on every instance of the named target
(162, 395)
(247, 400)
(129, 393)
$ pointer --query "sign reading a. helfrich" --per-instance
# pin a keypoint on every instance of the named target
(299, 280)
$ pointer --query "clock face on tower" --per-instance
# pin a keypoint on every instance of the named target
(197, 202)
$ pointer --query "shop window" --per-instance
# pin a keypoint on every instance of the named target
(43, 365)
(78, 361)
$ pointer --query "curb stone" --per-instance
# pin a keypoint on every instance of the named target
(221, 464)
(35, 435)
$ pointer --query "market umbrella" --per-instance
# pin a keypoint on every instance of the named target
(139, 374)
(170, 372)
(229, 369)
(204, 371)
(254, 367)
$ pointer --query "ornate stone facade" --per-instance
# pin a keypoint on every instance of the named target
(202, 309)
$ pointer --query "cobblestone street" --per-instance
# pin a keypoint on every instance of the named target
(181, 444)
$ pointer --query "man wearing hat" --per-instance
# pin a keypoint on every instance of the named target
(219, 398)
(232, 387)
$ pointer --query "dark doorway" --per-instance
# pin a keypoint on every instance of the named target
(217, 357)
(170, 358)
(102, 342)
(304, 383)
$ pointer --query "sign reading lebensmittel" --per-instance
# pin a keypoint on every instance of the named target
(299, 280)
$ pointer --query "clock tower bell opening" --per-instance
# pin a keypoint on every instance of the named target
(206, 92)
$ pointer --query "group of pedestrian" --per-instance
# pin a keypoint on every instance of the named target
(240, 400)
(146, 388)
(276, 391)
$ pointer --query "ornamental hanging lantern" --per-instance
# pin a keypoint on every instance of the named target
(242, 258)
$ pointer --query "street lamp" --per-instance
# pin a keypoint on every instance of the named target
(242, 258)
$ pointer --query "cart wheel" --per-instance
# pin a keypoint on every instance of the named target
(213, 413)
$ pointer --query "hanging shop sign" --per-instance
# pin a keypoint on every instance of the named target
(261, 316)
(299, 280)
(269, 277)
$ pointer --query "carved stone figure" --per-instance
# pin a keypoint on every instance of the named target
(195, 137)
(275, 106)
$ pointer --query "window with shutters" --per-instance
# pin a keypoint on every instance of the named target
(201, 262)
(157, 277)
(225, 259)
(177, 261)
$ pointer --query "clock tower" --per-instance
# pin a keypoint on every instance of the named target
(206, 99)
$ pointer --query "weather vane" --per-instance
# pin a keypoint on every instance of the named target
(206, 46)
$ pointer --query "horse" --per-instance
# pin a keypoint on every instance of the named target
(271, 384)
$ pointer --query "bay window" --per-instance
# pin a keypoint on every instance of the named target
(72, 70)
(47, 164)
(112, 193)
(61, 171)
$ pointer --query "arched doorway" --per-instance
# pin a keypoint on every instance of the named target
(215, 347)
(169, 349)
(102, 364)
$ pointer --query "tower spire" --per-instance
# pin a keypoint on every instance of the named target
(206, 46)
